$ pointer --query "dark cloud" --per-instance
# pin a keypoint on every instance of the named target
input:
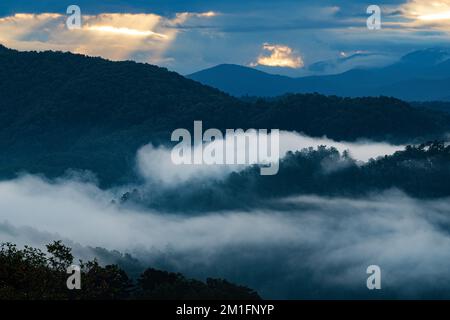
(171, 6)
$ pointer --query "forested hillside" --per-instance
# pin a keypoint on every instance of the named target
(61, 111)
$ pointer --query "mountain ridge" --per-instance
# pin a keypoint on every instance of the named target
(426, 65)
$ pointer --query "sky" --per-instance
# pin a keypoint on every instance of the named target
(284, 36)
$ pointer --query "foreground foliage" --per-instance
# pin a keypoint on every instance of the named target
(29, 273)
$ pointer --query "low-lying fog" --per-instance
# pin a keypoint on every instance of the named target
(312, 247)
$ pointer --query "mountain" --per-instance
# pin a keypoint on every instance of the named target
(418, 76)
(347, 62)
(61, 111)
(427, 57)
(239, 80)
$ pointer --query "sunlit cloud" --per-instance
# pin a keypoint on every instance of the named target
(422, 12)
(126, 31)
(208, 14)
(183, 17)
(141, 37)
(280, 56)
(435, 16)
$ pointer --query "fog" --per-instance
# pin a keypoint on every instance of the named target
(312, 247)
(155, 164)
(297, 247)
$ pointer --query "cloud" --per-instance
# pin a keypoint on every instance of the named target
(126, 31)
(426, 10)
(188, 36)
(422, 14)
(116, 36)
(204, 34)
(280, 56)
(155, 164)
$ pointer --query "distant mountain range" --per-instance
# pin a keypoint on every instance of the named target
(418, 76)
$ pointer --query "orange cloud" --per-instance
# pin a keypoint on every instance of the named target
(425, 12)
(280, 56)
(114, 36)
